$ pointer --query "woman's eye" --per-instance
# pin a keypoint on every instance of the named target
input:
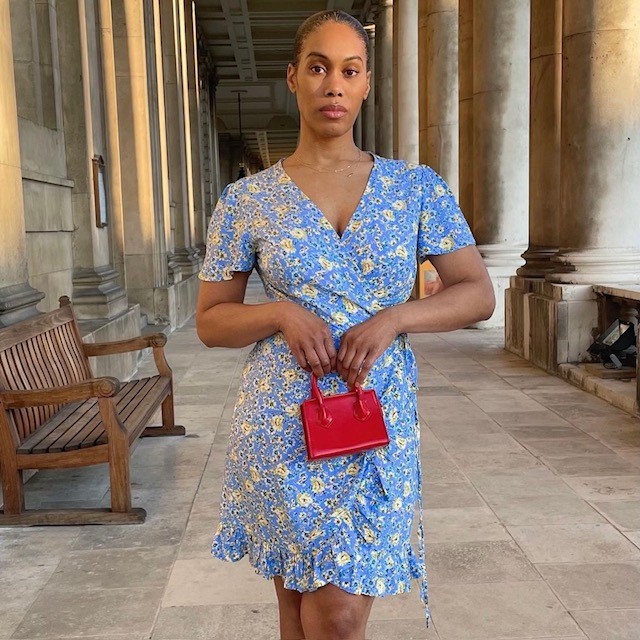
(351, 72)
(316, 68)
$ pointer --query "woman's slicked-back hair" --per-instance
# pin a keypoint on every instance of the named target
(316, 20)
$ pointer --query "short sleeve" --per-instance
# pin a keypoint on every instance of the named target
(442, 227)
(229, 244)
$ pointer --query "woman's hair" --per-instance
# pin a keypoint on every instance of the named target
(316, 20)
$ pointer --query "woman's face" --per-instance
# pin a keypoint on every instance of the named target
(331, 79)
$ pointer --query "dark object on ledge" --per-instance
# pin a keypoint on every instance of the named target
(616, 346)
(55, 414)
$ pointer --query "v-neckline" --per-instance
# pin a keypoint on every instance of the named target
(323, 217)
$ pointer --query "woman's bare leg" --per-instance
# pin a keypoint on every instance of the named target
(289, 609)
(330, 613)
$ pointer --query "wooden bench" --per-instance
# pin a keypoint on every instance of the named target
(55, 414)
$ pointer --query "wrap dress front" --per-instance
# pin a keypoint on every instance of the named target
(347, 520)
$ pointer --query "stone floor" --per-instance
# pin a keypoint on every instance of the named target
(531, 503)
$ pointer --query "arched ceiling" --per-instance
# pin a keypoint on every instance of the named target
(251, 43)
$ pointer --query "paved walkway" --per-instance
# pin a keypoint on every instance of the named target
(531, 498)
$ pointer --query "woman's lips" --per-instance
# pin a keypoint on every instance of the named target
(333, 113)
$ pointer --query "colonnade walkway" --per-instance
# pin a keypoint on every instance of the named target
(531, 504)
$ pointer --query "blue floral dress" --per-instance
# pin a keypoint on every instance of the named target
(345, 520)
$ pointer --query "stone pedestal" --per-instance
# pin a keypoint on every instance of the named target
(501, 139)
(599, 226)
(17, 298)
(408, 105)
(369, 106)
(384, 79)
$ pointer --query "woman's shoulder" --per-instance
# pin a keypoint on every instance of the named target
(253, 183)
(404, 170)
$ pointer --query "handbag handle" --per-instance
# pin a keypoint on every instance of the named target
(360, 409)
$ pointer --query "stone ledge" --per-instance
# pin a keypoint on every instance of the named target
(629, 291)
(621, 394)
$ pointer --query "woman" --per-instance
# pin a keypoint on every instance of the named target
(333, 233)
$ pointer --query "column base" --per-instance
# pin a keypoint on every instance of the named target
(18, 302)
(596, 266)
(97, 294)
(550, 324)
(188, 259)
(538, 262)
(501, 263)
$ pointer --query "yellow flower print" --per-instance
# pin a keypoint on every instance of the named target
(401, 251)
(292, 410)
(342, 515)
(397, 504)
(280, 514)
(368, 534)
(241, 397)
(356, 225)
(380, 293)
(394, 538)
(393, 416)
(399, 205)
(290, 375)
(407, 488)
(277, 422)
(317, 583)
(317, 484)
(367, 266)
(264, 385)
(401, 442)
(376, 305)
(254, 188)
(446, 243)
(411, 165)
(262, 521)
(353, 469)
(386, 181)
(293, 548)
(298, 233)
(304, 499)
(439, 190)
(287, 244)
(401, 585)
(309, 290)
(255, 474)
(248, 485)
(236, 495)
(343, 558)
(380, 585)
(390, 561)
(339, 318)
(315, 533)
(326, 264)
(349, 306)
(388, 360)
(388, 214)
(281, 470)
(246, 428)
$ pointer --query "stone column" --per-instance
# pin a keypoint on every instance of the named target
(140, 230)
(439, 87)
(384, 79)
(17, 298)
(191, 83)
(369, 106)
(501, 138)
(544, 155)
(600, 185)
(408, 105)
(465, 108)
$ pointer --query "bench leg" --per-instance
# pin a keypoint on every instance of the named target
(169, 427)
(12, 489)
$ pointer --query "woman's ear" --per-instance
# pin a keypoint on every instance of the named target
(291, 78)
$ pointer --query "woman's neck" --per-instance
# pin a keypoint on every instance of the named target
(324, 151)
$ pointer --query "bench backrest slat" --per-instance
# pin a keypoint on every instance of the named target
(45, 351)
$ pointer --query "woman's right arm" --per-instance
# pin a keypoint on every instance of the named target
(224, 320)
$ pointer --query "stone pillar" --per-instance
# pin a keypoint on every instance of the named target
(369, 106)
(357, 130)
(501, 138)
(544, 155)
(384, 79)
(110, 100)
(17, 298)
(439, 88)
(140, 230)
(408, 104)
(465, 108)
(96, 290)
(600, 188)
(191, 83)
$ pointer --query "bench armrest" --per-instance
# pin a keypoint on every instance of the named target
(121, 346)
(106, 387)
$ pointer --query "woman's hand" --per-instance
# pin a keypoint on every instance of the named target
(308, 337)
(363, 344)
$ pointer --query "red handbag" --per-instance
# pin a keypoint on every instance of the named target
(343, 423)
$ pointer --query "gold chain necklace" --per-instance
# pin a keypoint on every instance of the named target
(319, 170)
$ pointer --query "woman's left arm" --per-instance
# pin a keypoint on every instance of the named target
(467, 296)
